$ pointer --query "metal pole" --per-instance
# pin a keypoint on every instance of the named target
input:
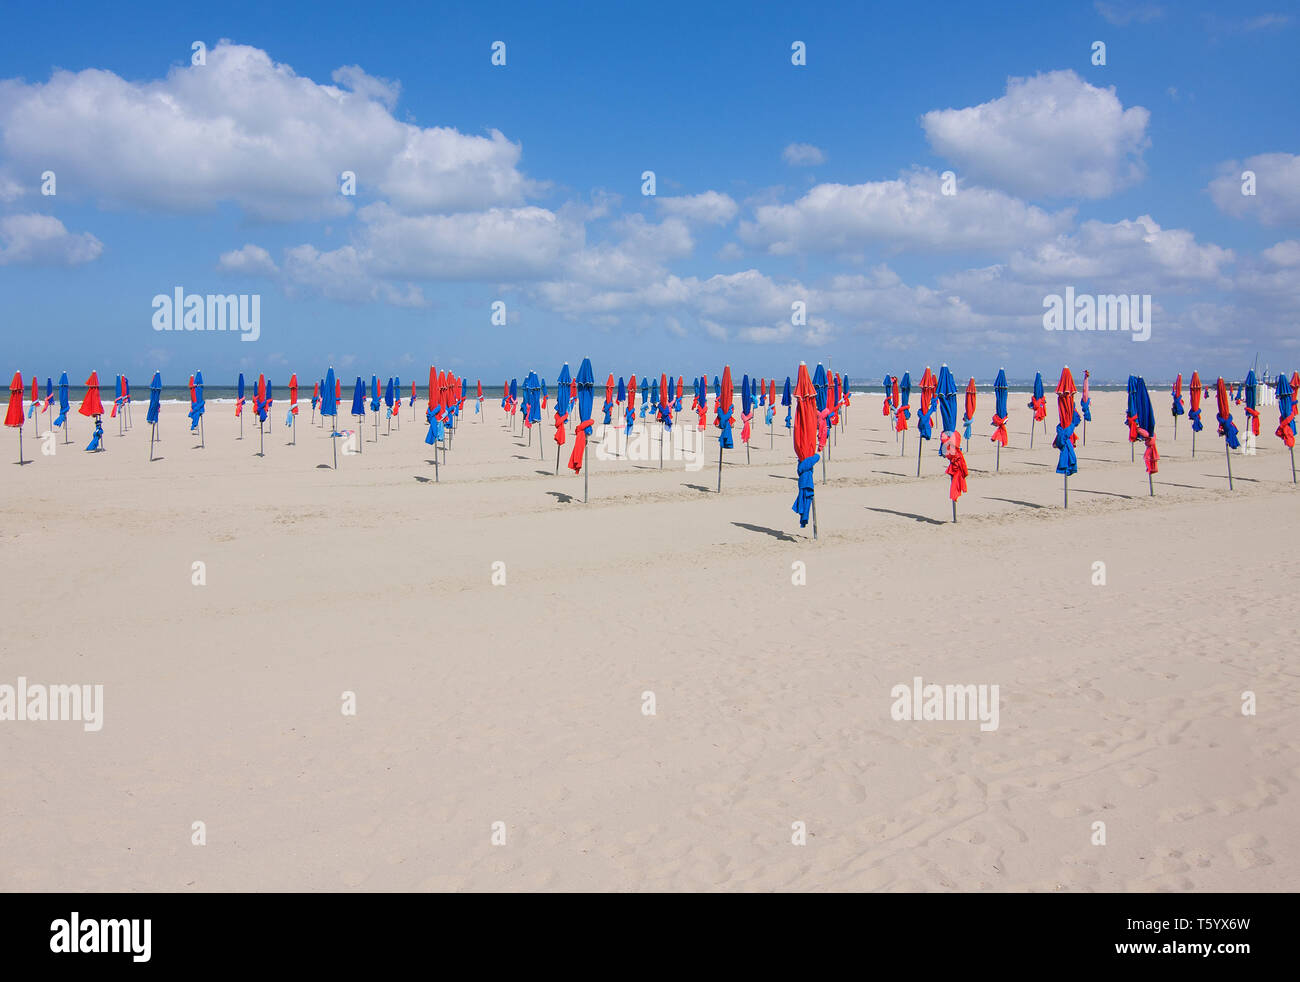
(920, 444)
(1067, 490)
(1228, 456)
(719, 467)
(334, 443)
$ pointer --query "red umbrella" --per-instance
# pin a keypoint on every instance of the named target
(36, 397)
(14, 414)
(806, 420)
(338, 388)
(1195, 390)
(90, 404)
(970, 406)
(723, 412)
(1227, 428)
(1068, 462)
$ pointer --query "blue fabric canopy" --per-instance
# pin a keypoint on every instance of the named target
(946, 392)
(746, 396)
(622, 390)
(1146, 416)
(785, 401)
(819, 386)
(1000, 395)
(328, 404)
(562, 391)
(155, 397)
(359, 398)
(586, 383)
(905, 394)
(1038, 385)
(804, 497)
(374, 393)
(64, 408)
(197, 409)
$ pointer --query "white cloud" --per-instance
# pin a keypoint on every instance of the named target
(1284, 253)
(247, 130)
(907, 213)
(342, 275)
(42, 240)
(1053, 135)
(709, 207)
(1122, 14)
(803, 155)
(251, 260)
(1276, 200)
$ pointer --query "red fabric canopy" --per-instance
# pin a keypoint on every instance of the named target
(805, 414)
(14, 414)
(90, 405)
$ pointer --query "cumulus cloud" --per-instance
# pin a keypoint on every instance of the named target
(709, 207)
(247, 130)
(803, 155)
(251, 260)
(1050, 136)
(42, 240)
(1276, 200)
(907, 213)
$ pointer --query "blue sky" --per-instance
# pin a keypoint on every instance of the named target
(776, 183)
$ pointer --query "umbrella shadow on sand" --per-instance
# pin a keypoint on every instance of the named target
(561, 497)
(1111, 494)
(907, 514)
(699, 487)
(774, 533)
(1014, 501)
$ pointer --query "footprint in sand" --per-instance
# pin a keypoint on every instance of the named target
(1247, 850)
(1138, 777)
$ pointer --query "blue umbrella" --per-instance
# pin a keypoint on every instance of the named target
(746, 411)
(388, 401)
(586, 382)
(1036, 403)
(785, 401)
(1067, 462)
(329, 406)
(822, 389)
(359, 407)
(532, 406)
(1000, 414)
(374, 393)
(1286, 414)
(64, 407)
(1252, 410)
(1145, 416)
(562, 384)
(239, 404)
(196, 411)
(946, 392)
(622, 390)
(1130, 415)
(151, 417)
(645, 394)
(904, 407)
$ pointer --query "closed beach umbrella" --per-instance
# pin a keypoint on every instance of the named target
(806, 425)
(1068, 462)
(1000, 414)
(1145, 421)
(155, 407)
(239, 403)
(14, 414)
(92, 406)
(1286, 414)
(1177, 407)
(1227, 428)
(923, 424)
(64, 406)
(1038, 403)
(787, 401)
(198, 408)
(608, 407)
(291, 420)
(821, 388)
(746, 413)
(329, 406)
(723, 415)
(887, 407)
(904, 410)
(968, 414)
(583, 384)
(1252, 410)
(359, 407)
(629, 415)
(946, 390)
(562, 411)
(1195, 391)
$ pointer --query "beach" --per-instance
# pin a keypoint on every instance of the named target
(503, 643)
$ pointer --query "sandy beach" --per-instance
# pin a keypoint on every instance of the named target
(523, 703)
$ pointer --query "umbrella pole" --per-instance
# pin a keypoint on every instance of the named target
(903, 445)
(1067, 490)
(770, 437)
(334, 443)
(557, 460)
(998, 464)
(719, 467)
(152, 434)
(241, 426)
(1293, 465)
(661, 448)
(814, 517)
(539, 446)
(1228, 457)
(586, 471)
(1132, 451)
(1193, 443)
(261, 440)
(1151, 484)
(954, 513)
(1175, 427)
(202, 443)
(1085, 432)
(1031, 434)
(747, 452)
(20, 446)
(920, 444)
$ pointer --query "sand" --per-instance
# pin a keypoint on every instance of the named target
(523, 703)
